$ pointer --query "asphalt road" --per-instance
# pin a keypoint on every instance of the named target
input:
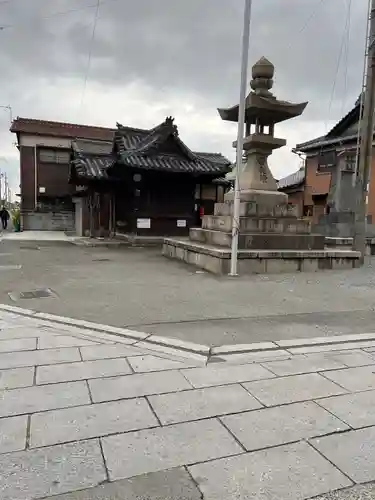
(139, 288)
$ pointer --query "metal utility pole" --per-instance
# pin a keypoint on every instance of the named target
(6, 189)
(240, 136)
(366, 139)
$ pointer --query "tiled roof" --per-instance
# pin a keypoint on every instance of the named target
(142, 149)
(61, 129)
(92, 159)
(337, 133)
(292, 180)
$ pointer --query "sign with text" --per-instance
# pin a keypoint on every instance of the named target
(143, 223)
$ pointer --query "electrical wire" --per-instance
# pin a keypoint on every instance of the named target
(308, 20)
(346, 57)
(341, 51)
(98, 3)
(55, 14)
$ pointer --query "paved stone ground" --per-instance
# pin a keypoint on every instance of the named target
(143, 290)
(86, 415)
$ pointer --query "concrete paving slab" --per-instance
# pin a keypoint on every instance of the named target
(224, 374)
(10, 332)
(153, 450)
(357, 410)
(140, 384)
(49, 471)
(174, 484)
(16, 377)
(13, 434)
(54, 341)
(84, 422)
(82, 370)
(35, 358)
(109, 352)
(354, 379)
(292, 389)
(149, 363)
(300, 365)
(352, 452)
(353, 358)
(25, 344)
(43, 397)
(291, 472)
(202, 403)
(282, 425)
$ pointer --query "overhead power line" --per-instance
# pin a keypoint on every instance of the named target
(346, 57)
(98, 3)
(345, 36)
(54, 14)
(308, 20)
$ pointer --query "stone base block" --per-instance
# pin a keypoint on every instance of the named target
(258, 224)
(255, 241)
(254, 209)
(260, 197)
(348, 243)
(217, 260)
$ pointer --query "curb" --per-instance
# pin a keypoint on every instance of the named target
(276, 349)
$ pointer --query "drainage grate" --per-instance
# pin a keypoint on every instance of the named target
(33, 294)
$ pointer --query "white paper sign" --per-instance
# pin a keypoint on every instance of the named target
(181, 223)
(143, 223)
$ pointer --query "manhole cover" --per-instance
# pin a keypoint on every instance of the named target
(32, 294)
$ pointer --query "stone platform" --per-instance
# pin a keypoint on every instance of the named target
(217, 259)
(271, 240)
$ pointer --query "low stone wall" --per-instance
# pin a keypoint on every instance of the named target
(217, 261)
(347, 243)
(48, 221)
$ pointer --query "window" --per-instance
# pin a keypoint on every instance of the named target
(349, 163)
(54, 156)
(326, 160)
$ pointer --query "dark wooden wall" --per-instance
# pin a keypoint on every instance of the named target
(162, 197)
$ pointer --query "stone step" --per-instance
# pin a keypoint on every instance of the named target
(252, 208)
(217, 259)
(255, 241)
(258, 224)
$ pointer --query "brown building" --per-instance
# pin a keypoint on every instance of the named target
(102, 181)
(294, 186)
(45, 148)
(329, 168)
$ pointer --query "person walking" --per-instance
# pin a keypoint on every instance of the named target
(4, 216)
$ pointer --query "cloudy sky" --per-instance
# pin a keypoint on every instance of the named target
(153, 58)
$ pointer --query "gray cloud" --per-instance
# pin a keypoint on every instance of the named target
(185, 49)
